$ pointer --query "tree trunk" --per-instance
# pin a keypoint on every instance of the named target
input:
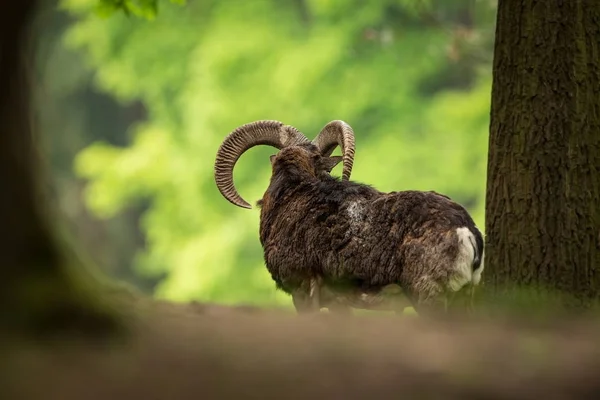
(543, 189)
(42, 287)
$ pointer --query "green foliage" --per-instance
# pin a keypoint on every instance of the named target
(141, 8)
(206, 68)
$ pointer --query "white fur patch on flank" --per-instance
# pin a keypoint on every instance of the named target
(463, 267)
(355, 211)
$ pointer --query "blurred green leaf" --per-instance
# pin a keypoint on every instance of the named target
(142, 8)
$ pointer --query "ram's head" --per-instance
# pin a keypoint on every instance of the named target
(313, 156)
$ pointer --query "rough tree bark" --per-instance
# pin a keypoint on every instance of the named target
(543, 190)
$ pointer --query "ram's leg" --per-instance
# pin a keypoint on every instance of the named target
(301, 302)
(430, 298)
(393, 299)
(462, 301)
(337, 307)
(307, 298)
(472, 299)
(315, 293)
(329, 298)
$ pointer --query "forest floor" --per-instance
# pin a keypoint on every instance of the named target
(202, 351)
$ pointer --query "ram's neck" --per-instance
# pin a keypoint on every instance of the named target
(286, 183)
(283, 194)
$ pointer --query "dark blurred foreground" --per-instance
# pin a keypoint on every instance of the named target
(194, 351)
(65, 336)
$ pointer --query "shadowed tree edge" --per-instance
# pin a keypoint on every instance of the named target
(44, 288)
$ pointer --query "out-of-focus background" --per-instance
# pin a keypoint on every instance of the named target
(132, 112)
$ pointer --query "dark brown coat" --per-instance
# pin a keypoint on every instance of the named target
(357, 238)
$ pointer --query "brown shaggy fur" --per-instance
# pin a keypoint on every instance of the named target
(354, 238)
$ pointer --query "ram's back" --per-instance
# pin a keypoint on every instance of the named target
(354, 235)
(399, 236)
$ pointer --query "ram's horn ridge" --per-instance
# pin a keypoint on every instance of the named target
(271, 133)
(337, 133)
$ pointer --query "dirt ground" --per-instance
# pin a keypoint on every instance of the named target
(193, 351)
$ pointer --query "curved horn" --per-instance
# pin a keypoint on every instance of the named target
(271, 133)
(337, 133)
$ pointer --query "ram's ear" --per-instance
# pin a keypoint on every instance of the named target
(330, 162)
(272, 158)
